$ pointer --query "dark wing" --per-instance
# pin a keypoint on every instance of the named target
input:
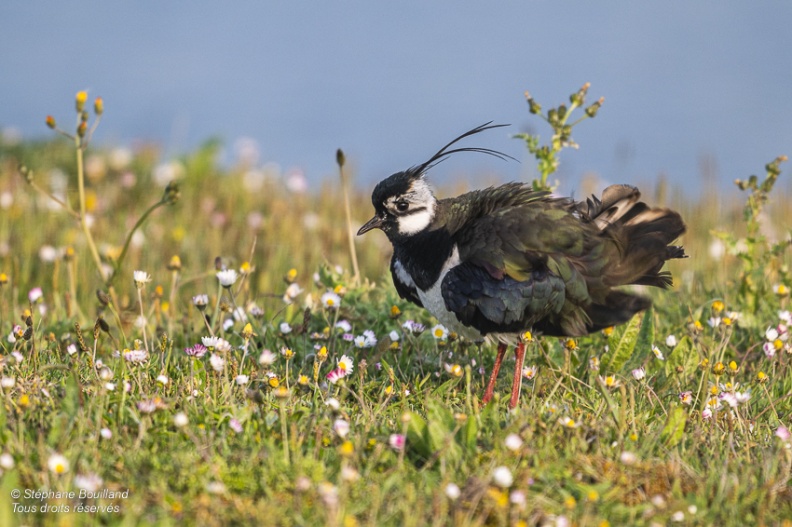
(517, 237)
(506, 305)
(535, 246)
(405, 290)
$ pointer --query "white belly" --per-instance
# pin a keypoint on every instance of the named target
(432, 300)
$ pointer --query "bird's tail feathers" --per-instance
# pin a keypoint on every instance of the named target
(641, 236)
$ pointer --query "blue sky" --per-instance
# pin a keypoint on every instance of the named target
(392, 82)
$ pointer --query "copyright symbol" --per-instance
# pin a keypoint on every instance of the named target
(15, 494)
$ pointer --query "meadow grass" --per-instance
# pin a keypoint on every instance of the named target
(679, 417)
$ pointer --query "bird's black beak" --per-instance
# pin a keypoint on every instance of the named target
(373, 223)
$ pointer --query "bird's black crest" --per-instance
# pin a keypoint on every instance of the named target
(400, 182)
(444, 152)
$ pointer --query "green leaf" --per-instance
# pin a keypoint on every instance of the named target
(441, 424)
(617, 358)
(646, 338)
(675, 427)
(468, 434)
(418, 436)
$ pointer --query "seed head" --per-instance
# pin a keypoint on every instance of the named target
(175, 263)
(98, 106)
(718, 368)
(592, 110)
(51, 122)
(172, 193)
(533, 106)
(79, 100)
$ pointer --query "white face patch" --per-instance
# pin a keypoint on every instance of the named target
(415, 222)
(420, 209)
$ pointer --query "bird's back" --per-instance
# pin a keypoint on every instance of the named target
(529, 260)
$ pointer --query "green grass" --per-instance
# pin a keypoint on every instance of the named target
(596, 445)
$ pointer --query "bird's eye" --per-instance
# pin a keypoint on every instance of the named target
(402, 206)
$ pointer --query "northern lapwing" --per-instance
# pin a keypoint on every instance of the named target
(497, 262)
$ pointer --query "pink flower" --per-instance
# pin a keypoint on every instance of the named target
(783, 433)
(335, 375)
(235, 425)
(197, 351)
(396, 441)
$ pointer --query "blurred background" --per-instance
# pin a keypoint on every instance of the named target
(246, 103)
(692, 88)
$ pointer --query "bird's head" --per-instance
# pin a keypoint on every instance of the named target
(404, 203)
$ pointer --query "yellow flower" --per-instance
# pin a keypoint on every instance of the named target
(322, 354)
(570, 502)
(761, 377)
(608, 331)
(500, 497)
(718, 368)
(80, 99)
(389, 389)
(3, 279)
(395, 311)
(571, 345)
(592, 495)
(247, 331)
(527, 336)
(718, 306)
(178, 233)
(274, 382)
(245, 268)
(704, 364)
(346, 449)
(281, 392)
(455, 370)
(58, 464)
(291, 275)
(733, 368)
(302, 380)
(569, 422)
(175, 263)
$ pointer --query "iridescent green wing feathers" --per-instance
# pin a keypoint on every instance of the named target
(528, 237)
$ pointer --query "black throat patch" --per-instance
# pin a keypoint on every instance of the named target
(423, 255)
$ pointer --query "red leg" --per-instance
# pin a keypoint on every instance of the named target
(519, 356)
(494, 375)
